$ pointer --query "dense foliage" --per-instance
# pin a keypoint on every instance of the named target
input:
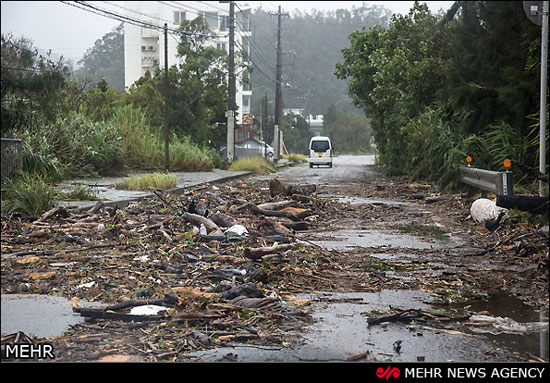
(440, 87)
(77, 124)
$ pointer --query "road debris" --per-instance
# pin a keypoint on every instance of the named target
(227, 264)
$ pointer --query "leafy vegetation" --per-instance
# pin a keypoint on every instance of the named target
(29, 194)
(437, 88)
(80, 193)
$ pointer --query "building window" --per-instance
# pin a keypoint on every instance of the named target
(246, 104)
(224, 23)
(243, 20)
(246, 48)
(179, 16)
(246, 81)
(211, 19)
(221, 46)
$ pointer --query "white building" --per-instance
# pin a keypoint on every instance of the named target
(144, 48)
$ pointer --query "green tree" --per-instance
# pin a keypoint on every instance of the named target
(197, 87)
(30, 83)
(395, 72)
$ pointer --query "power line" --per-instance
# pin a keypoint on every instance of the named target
(257, 67)
(137, 12)
(254, 47)
(140, 23)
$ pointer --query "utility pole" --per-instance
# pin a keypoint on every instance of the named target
(278, 101)
(166, 121)
(264, 124)
(231, 86)
(543, 84)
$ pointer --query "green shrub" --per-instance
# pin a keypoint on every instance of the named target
(435, 151)
(48, 167)
(80, 193)
(82, 147)
(29, 194)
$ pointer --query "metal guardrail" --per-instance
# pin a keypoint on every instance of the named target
(500, 183)
(12, 158)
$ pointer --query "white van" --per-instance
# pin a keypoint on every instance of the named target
(320, 151)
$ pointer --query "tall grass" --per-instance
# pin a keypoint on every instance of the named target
(144, 145)
(296, 158)
(149, 182)
(258, 165)
(82, 147)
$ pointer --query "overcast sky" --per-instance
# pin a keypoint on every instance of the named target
(70, 31)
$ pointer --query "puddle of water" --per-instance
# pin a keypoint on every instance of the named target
(341, 330)
(371, 201)
(504, 305)
(39, 315)
(344, 239)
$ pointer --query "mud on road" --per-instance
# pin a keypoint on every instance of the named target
(389, 263)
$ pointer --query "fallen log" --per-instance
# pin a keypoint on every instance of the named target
(95, 209)
(222, 220)
(198, 220)
(275, 227)
(292, 214)
(299, 213)
(168, 299)
(532, 204)
(403, 316)
(297, 226)
(259, 252)
(276, 205)
(304, 189)
(102, 314)
(58, 210)
(301, 198)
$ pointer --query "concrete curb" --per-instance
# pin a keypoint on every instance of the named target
(122, 203)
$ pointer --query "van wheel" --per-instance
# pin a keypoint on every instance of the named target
(330, 165)
(310, 165)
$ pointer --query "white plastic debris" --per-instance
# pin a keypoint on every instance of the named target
(147, 310)
(500, 325)
(239, 230)
(484, 209)
(87, 285)
(203, 230)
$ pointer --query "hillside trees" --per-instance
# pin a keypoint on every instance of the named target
(105, 60)
(311, 44)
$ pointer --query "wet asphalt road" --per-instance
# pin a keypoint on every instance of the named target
(345, 168)
(340, 329)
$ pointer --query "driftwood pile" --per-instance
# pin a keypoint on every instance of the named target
(213, 265)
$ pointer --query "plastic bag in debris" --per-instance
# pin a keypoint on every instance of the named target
(500, 325)
(147, 310)
(484, 209)
(236, 231)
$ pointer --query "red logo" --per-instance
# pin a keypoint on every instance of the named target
(388, 372)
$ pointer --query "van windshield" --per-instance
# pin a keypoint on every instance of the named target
(319, 146)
